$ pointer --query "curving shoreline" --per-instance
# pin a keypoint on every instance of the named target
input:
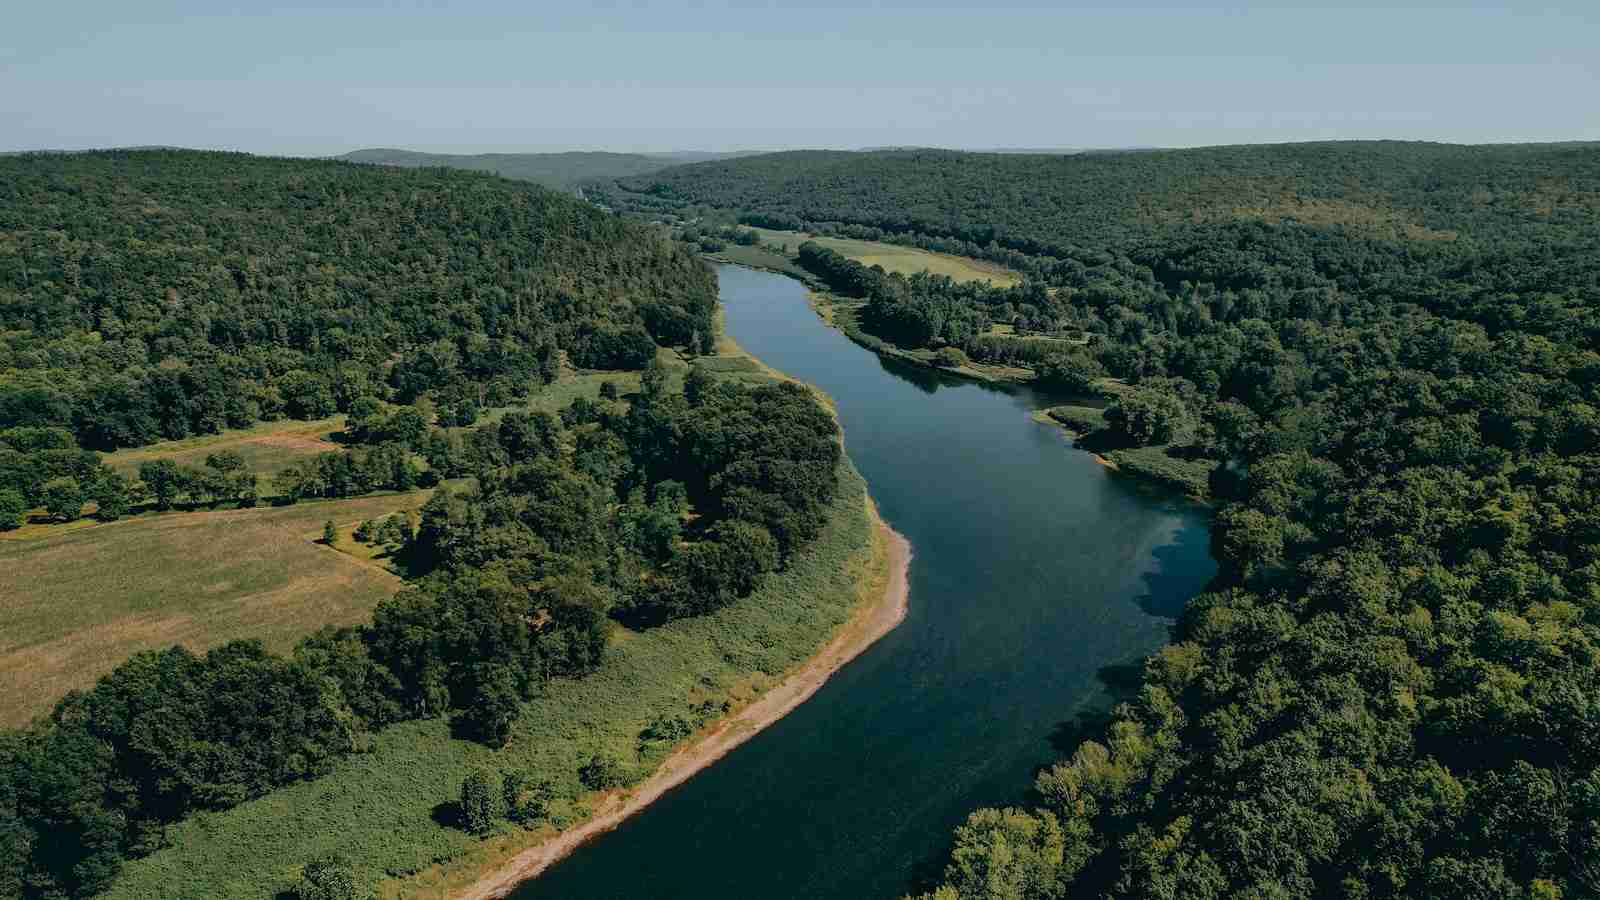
(870, 622)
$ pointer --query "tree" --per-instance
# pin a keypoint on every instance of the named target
(330, 878)
(164, 480)
(330, 533)
(480, 803)
(1146, 416)
(608, 390)
(64, 499)
(1005, 854)
(653, 382)
(110, 496)
(13, 510)
(696, 384)
(495, 704)
(1073, 373)
(549, 364)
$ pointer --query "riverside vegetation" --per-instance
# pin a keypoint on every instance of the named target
(166, 294)
(1383, 357)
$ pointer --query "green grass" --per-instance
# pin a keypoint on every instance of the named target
(78, 602)
(762, 258)
(1156, 464)
(378, 808)
(267, 448)
(895, 258)
(1078, 419)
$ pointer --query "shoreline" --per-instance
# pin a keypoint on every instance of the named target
(870, 622)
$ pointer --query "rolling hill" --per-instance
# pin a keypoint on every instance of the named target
(561, 171)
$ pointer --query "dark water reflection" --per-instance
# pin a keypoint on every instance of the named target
(1039, 583)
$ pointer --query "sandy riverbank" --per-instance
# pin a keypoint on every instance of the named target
(871, 622)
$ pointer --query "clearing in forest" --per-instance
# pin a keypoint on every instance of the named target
(905, 260)
(78, 603)
(267, 448)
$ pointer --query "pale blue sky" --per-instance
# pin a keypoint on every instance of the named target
(499, 76)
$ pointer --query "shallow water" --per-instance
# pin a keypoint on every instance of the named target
(1039, 582)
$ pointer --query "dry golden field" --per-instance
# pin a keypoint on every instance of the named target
(77, 603)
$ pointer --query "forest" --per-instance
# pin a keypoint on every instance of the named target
(190, 281)
(153, 295)
(1387, 354)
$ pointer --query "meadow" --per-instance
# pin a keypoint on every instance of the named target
(388, 810)
(895, 258)
(267, 448)
(79, 602)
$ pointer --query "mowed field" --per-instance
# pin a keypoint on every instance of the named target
(78, 603)
(895, 258)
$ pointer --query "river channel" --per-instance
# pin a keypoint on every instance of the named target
(1039, 581)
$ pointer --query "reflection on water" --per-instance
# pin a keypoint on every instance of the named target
(1039, 583)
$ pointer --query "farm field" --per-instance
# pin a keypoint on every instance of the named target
(77, 603)
(895, 258)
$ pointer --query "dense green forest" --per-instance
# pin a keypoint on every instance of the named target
(565, 171)
(561, 171)
(149, 295)
(187, 281)
(1387, 354)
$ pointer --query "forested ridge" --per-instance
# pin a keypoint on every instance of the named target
(1043, 204)
(561, 171)
(1386, 356)
(148, 293)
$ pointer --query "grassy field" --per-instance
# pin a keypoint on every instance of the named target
(761, 258)
(267, 448)
(895, 258)
(379, 808)
(78, 602)
(1159, 466)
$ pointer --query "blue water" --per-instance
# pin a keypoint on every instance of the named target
(1039, 582)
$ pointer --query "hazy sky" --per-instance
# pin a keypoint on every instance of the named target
(530, 75)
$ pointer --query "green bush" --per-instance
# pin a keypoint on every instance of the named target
(330, 878)
(480, 803)
(602, 772)
(13, 510)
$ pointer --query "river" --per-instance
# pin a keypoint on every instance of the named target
(1039, 581)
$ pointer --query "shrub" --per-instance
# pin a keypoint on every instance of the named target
(480, 803)
(330, 878)
(602, 772)
(13, 509)
(527, 799)
(64, 499)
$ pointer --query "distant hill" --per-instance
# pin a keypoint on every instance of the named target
(1039, 203)
(332, 271)
(562, 171)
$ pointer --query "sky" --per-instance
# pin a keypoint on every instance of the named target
(524, 75)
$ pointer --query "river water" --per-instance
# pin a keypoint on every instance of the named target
(1039, 581)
